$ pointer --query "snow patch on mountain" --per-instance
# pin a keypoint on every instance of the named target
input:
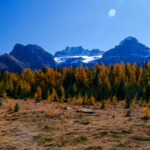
(84, 59)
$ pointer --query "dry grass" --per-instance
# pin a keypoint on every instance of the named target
(45, 126)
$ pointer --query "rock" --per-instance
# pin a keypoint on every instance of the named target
(68, 108)
(85, 110)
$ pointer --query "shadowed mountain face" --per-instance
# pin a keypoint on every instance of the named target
(8, 62)
(30, 56)
(129, 50)
(33, 56)
(130, 47)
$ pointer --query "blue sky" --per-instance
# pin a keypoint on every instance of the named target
(55, 24)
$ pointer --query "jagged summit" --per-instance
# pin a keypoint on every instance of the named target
(20, 49)
(33, 56)
(78, 51)
(70, 48)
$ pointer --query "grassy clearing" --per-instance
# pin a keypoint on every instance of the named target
(41, 140)
(94, 148)
(37, 127)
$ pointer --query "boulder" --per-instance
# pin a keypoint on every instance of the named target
(68, 108)
(85, 110)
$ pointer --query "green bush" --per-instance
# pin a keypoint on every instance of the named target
(38, 99)
(16, 109)
(113, 116)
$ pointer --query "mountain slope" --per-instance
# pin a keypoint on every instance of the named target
(8, 62)
(33, 56)
(76, 56)
(129, 50)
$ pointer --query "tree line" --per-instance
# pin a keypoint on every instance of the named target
(81, 85)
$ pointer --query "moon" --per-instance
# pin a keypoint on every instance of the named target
(112, 13)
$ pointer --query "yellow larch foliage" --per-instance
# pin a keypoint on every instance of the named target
(114, 100)
(4, 95)
(92, 100)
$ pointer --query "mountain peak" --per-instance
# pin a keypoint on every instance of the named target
(18, 45)
(33, 56)
(30, 48)
(71, 47)
(129, 50)
(78, 51)
(128, 40)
